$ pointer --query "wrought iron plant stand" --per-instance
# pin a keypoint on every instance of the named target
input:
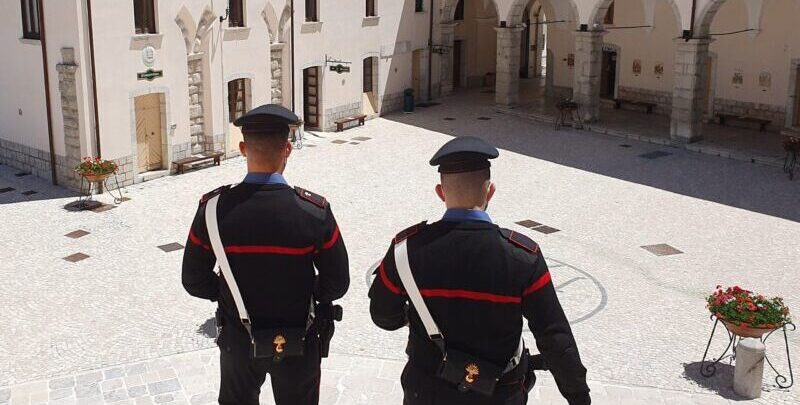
(709, 368)
(89, 185)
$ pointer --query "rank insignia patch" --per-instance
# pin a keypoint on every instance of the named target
(473, 371)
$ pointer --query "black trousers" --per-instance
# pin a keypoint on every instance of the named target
(295, 380)
(425, 388)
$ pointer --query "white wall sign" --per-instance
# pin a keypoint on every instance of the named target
(149, 56)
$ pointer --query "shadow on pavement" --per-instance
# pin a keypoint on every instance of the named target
(721, 382)
(208, 328)
(752, 187)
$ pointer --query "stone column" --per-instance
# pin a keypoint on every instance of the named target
(749, 371)
(276, 67)
(689, 91)
(196, 121)
(509, 41)
(588, 63)
(69, 111)
(447, 35)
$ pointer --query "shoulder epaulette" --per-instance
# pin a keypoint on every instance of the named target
(519, 240)
(214, 193)
(409, 232)
(315, 199)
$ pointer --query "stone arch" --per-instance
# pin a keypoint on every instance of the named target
(286, 15)
(449, 9)
(515, 15)
(271, 19)
(187, 26)
(702, 25)
(203, 28)
(600, 9)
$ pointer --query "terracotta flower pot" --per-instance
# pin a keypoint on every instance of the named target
(746, 331)
(96, 178)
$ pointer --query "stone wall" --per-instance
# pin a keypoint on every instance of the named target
(71, 118)
(391, 102)
(214, 143)
(126, 175)
(196, 121)
(181, 151)
(774, 113)
(25, 158)
(662, 99)
(276, 67)
(335, 113)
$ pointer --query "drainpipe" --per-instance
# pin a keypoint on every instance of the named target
(95, 104)
(291, 50)
(430, 52)
(689, 34)
(43, 43)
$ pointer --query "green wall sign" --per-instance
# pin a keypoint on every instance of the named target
(150, 75)
(340, 69)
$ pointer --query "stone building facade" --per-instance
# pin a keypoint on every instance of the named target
(167, 81)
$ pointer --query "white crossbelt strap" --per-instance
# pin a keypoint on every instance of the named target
(404, 271)
(407, 278)
(222, 259)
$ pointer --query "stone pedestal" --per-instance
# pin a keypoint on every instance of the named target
(447, 36)
(509, 41)
(690, 90)
(276, 67)
(749, 370)
(588, 63)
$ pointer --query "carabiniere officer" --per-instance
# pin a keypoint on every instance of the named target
(272, 236)
(463, 286)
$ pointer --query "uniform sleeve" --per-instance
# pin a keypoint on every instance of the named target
(198, 276)
(332, 264)
(553, 335)
(388, 306)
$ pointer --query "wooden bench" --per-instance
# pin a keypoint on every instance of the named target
(762, 123)
(203, 157)
(618, 102)
(341, 122)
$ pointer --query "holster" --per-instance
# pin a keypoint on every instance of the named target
(325, 315)
(278, 343)
(470, 373)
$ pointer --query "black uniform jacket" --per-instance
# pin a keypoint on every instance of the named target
(274, 237)
(478, 281)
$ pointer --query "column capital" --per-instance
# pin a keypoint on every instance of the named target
(277, 46)
(590, 34)
(448, 25)
(509, 30)
(693, 41)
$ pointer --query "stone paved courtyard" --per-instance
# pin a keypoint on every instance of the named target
(639, 318)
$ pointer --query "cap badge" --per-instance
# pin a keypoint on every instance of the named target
(279, 342)
(473, 371)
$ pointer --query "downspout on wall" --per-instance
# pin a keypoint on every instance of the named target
(93, 80)
(43, 42)
(430, 52)
(291, 50)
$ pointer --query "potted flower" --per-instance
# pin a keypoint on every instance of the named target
(791, 144)
(95, 169)
(746, 314)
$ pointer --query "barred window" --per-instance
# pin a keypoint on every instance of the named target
(418, 6)
(236, 18)
(371, 8)
(312, 9)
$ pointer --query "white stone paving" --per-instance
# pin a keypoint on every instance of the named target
(736, 223)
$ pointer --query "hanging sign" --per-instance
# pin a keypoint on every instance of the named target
(340, 69)
(150, 75)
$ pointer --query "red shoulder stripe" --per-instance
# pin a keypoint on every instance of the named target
(471, 295)
(537, 285)
(267, 249)
(388, 283)
(335, 238)
(197, 241)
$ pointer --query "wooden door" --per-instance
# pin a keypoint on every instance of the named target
(708, 102)
(608, 75)
(797, 98)
(311, 85)
(525, 48)
(148, 132)
(416, 73)
(237, 106)
(457, 64)
(368, 86)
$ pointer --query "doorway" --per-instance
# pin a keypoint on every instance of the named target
(797, 97)
(149, 132)
(416, 74)
(238, 104)
(457, 48)
(369, 86)
(311, 97)
(525, 46)
(608, 75)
